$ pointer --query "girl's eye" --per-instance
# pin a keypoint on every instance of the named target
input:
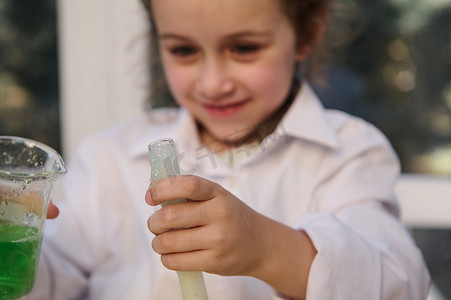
(245, 49)
(183, 51)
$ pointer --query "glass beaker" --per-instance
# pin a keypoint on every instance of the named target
(28, 170)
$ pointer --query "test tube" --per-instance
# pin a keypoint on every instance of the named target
(163, 162)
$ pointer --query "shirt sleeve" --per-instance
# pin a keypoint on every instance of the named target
(65, 266)
(364, 251)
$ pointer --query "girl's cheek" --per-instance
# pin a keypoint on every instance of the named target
(178, 81)
(268, 80)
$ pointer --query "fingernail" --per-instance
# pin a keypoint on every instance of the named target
(148, 197)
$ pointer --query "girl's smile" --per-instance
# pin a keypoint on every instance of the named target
(232, 66)
(224, 110)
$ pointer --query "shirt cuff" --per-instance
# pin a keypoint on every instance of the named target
(333, 275)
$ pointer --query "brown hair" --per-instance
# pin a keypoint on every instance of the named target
(305, 16)
(308, 19)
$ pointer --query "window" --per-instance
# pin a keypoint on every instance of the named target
(392, 66)
(29, 71)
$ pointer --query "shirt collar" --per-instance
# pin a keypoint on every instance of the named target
(174, 123)
(306, 119)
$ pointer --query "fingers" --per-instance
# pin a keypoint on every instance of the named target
(186, 250)
(207, 260)
(52, 211)
(181, 249)
(180, 240)
(183, 215)
(187, 261)
(194, 235)
(184, 186)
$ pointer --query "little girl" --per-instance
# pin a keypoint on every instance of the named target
(286, 199)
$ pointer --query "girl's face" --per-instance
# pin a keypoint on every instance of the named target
(230, 63)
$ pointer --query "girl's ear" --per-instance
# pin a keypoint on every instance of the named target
(314, 35)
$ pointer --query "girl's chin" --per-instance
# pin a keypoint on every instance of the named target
(234, 137)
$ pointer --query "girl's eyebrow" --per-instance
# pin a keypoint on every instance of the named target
(248, 34)
(227, 37)
(172, 36)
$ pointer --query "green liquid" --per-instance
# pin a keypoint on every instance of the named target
(19, 254)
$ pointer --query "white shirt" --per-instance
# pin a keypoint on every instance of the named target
(321, 171)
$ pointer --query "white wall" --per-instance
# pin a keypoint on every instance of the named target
(103, 73)
(425, 200)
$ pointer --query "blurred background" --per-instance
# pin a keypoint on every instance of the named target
(29, 85)
(68, 68)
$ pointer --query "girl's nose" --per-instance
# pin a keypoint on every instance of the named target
(214, 81)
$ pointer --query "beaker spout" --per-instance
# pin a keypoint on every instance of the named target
(21, 157)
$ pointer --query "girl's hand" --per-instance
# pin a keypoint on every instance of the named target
(52, 211)
(216, 232)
